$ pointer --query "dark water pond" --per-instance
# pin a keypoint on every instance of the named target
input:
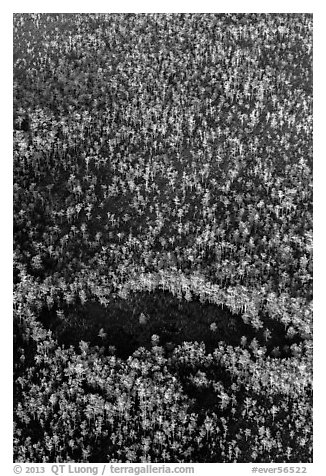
(129, 324)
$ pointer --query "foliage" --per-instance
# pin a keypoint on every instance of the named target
(232, 405)
(163, 237)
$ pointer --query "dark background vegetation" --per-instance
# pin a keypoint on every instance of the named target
(163, 237)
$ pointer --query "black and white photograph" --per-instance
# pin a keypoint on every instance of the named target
(163, 238)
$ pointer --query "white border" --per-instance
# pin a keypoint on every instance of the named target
(277, 6)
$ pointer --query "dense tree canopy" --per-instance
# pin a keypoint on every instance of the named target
(163, 237)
